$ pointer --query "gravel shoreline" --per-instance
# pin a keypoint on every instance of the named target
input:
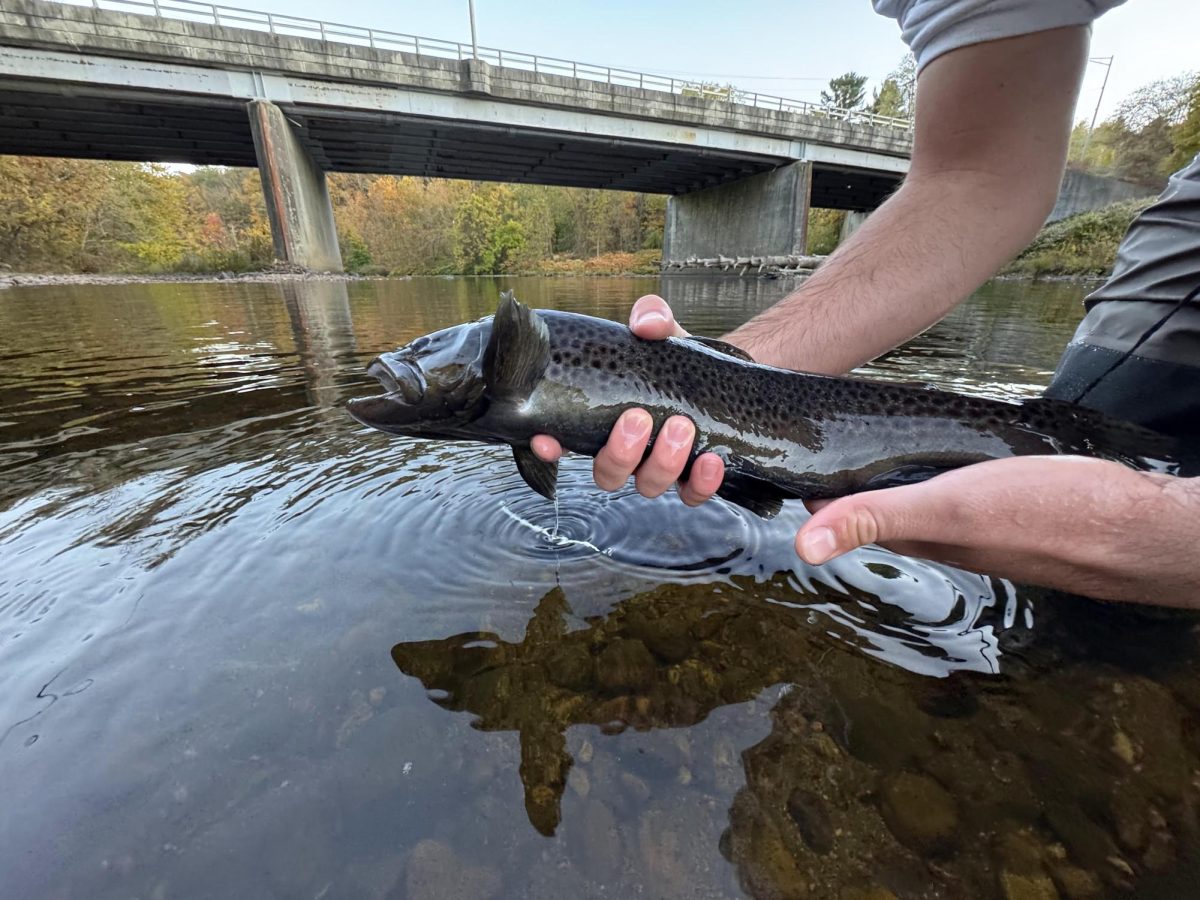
(22, 279)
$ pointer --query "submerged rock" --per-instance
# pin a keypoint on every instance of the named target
(1075, 883)
(626, 665)
(919, 812)
(811, 815)
(1027, 887)
(434, 871)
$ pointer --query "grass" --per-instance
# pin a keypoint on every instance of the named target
(641, 262)
(1082, 244)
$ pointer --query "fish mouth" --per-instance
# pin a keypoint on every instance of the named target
(399, 376)
(405, 386)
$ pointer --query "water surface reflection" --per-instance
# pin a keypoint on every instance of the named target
(224, 609)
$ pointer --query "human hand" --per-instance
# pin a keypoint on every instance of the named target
(651, 319)
(1081, 525)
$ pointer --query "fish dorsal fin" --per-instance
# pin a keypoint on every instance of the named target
(540, 475)
(722, 347)
(517, 353)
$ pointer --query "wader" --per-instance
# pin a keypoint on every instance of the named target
(1158, 264)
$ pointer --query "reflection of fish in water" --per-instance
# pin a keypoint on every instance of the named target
(782, 434)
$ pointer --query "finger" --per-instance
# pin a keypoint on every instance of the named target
(625, 448)
(545, 448)
(651, 318)
(914, 513)
(672, 447)
(707, 473)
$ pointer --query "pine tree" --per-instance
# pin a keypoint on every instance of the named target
(845, 92)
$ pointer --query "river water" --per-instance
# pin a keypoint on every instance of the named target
(251, 649)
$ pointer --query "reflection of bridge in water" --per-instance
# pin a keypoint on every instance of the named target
(868, 773)
(660, 660)
(323, 330)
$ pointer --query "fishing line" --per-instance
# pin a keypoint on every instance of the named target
(1188, 298)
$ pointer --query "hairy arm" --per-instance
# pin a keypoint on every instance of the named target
(992, 127)
(1086, 526)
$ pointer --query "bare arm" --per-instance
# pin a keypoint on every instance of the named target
(992, 127)
(1086, 526)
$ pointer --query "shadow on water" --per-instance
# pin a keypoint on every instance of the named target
(868, 777)
(205, 565)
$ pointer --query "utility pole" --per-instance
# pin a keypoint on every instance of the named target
(474, 43)
(1107, 62)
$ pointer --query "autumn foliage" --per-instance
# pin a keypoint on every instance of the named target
(83, 216)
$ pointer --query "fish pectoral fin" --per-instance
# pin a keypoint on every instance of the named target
(906, 474)
(760, 497)
(517, 352)
(722, 347)
(540, 475)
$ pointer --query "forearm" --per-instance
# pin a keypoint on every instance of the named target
(993, 121)
(1084, 526)
(933, 243)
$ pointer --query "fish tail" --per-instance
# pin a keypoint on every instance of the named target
(1100, 435)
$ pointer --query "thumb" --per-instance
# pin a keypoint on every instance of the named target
(651, 318)
(872, 517)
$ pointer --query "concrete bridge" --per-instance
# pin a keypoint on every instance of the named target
(300, 98)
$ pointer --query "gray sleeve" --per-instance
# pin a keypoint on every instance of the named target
(934, 27)
(1159, 259)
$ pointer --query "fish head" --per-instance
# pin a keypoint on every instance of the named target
(434, 386)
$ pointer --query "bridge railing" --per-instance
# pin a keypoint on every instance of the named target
(296, 26)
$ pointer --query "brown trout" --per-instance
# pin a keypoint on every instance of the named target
(782, 434)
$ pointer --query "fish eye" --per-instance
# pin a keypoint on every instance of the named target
(419, 344)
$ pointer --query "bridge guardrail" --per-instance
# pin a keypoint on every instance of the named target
(296, 26)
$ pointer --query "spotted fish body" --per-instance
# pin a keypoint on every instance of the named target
(782, 434)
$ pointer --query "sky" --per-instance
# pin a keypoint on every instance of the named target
(788, 49)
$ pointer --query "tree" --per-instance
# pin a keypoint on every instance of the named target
(845, 92)
(824, 229)
(1165, 99)
(1139, 156)
(896, 96)
(487, 235)
(81, 215)
(905, 77)
(1094, 152)
(888, 100)
(1148, 137)
(1185, 137)
(147, 217)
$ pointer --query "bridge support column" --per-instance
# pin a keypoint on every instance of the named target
(761, 215)
(297, 197)
(851, 223)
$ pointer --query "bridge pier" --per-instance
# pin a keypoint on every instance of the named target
(851, 223)
(761, 215)
(298, 206)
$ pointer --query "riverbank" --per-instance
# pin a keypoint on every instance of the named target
(643, 262)
(1083, 247)
(1079, 246)
(23, 279)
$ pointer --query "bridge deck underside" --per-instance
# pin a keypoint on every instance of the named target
(37, 122)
